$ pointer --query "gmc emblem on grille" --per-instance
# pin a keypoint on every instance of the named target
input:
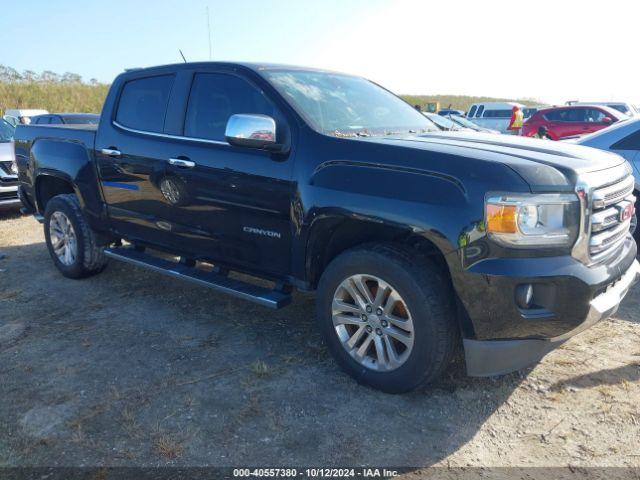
(625, 211)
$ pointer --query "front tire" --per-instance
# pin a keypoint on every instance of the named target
(71, 243)
(387, 316)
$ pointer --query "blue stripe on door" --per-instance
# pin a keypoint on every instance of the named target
(126, 186)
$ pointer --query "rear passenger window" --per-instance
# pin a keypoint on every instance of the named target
(552, 116)
(214, 98)
(143, 103)
(55, 121)
(577, 115)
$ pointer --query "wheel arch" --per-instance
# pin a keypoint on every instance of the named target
(330, 237)
(49, 184)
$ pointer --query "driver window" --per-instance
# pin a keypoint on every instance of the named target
(595, 116)
(214, 98)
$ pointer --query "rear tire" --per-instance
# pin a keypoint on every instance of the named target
(425, 298)
(72, 244)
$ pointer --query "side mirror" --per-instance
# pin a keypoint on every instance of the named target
(607, 120)
(252, 131)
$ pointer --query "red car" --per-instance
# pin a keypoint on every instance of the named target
(571, 120)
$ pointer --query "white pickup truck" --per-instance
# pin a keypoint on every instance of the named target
(495, 115)
(8, 169)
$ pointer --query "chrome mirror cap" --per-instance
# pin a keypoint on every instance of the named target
(251, 130)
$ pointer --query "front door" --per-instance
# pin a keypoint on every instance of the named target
(224, 203)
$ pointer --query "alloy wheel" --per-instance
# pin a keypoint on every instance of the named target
(63, 238)
(373, 322)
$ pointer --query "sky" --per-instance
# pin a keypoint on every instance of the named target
(552, 51)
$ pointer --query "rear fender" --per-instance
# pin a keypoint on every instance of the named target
(71, 162)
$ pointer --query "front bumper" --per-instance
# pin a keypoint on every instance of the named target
(9, 196)
(496, 357)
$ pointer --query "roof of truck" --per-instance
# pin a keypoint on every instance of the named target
(250, 65)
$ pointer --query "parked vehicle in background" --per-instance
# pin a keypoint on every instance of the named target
(562, 122)
(447, 111)
(414, 242)
(623, 107)
(493, 115)
(8, 167)
(529, 111)
(622, 138)
(66, 119)
(444, 123)
(23, 116)
(468, 124)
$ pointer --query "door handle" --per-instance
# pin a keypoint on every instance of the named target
(179, 162)
(110, 152)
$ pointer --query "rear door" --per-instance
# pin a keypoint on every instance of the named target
(575, 122)
(229, 204)
(131, 156)
(560, 122)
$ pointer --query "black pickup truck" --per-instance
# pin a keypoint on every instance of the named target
(415, 242)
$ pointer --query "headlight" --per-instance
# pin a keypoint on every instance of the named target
(14, 168)
(524, 220)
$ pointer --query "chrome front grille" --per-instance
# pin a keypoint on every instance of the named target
(5, 168)
(609, 224)
(604, 195)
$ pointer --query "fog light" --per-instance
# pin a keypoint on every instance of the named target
(524, 295)
(14, 168)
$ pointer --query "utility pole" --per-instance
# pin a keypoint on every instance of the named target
(209, 31)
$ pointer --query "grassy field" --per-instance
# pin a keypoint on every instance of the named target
(54, 97)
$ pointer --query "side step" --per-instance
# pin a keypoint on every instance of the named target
(216, 281)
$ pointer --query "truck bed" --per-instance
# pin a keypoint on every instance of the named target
(80, 133)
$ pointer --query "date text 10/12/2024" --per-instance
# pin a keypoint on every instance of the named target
(315, 473)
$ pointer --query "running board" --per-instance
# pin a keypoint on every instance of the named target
(216, 281)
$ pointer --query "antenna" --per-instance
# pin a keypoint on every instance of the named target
(182, 55)
(209, 31)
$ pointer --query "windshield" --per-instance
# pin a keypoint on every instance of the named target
(342, 105)
(6, 131)
(621, 107)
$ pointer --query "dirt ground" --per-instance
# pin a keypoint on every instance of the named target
(132, 368)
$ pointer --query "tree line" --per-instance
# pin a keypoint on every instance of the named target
(11, 75)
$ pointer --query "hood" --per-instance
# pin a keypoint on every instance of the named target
(545, 165)
(7, 153)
